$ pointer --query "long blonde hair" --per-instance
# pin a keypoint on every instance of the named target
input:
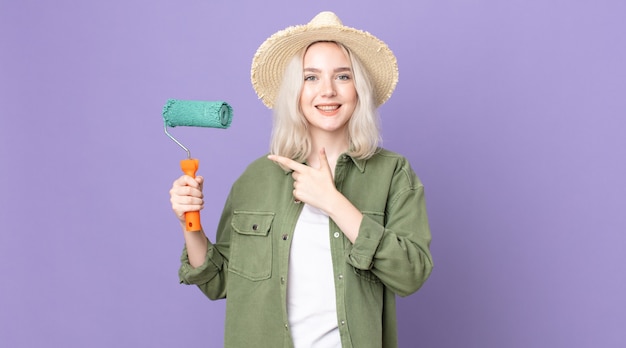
(290, 137)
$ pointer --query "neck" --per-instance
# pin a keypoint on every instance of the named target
(333, 144)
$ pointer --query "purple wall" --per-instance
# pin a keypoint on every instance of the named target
(513, 113)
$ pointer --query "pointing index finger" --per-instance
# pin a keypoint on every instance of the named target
(287, 162)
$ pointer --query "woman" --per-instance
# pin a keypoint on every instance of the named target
(316, 239)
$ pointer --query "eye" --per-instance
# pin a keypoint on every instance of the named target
(310, 78)
(344, 77)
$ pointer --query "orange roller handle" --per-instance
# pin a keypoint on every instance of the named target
(192, 218)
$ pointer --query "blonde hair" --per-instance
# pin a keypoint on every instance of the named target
(290, 137)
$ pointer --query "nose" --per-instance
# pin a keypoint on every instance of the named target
(328, 88)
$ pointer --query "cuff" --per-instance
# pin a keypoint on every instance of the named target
(212, 265)
(370, 234)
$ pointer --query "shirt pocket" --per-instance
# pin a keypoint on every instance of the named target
(251, 245)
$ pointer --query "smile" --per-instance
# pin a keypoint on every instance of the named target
(328, 107)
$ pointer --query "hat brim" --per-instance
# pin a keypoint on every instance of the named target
(271, 58)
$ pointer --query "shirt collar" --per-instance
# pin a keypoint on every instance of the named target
(359, 163)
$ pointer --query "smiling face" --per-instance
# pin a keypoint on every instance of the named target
(328, 96)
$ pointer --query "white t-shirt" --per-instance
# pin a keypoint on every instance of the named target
(311, 303)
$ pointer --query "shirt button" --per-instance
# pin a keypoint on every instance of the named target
(341, 276)
(255, 227)
(343, 322)
(285, 236)
(336, 234)
(282, 280)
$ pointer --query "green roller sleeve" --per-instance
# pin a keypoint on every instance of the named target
(192, 113)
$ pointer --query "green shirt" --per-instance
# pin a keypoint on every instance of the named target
(248, 263)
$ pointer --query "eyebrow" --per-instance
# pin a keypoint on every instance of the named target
(341, 69)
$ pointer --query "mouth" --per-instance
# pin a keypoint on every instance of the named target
(328, 108)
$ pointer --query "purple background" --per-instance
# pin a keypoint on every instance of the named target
(513, 113)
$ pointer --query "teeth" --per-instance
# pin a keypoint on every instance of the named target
(328, 107)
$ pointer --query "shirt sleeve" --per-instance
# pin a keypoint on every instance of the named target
(204, 273)
(398, 250)
(211, 276)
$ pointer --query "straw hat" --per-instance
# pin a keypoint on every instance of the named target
(271, 58)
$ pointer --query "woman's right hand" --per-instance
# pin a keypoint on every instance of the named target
(186, 195)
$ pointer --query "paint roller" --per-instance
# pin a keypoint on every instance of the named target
(194, 113)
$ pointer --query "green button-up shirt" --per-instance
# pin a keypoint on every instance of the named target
(248, 263)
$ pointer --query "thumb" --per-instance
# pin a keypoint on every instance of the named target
(323, 159)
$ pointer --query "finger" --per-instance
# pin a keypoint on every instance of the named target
(295, 198)
(186, 198)
(200, 181)
(190, 191)
(184, 201)
(186, 180)
(323, 159)
(182, 204)
(287, 162)
(181, 209)
(183, 190)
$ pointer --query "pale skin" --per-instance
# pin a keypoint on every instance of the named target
(186, 195)
(328, 99)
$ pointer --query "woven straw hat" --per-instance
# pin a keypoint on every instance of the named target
(271, 58)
